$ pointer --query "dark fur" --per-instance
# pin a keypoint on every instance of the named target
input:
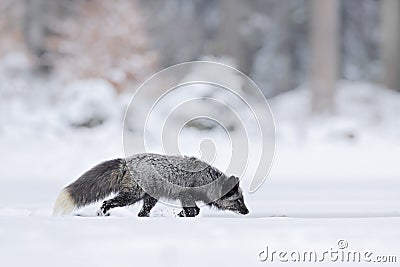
(86, 189)
(127, 178)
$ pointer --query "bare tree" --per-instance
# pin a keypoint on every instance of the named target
(39, 15)
(324, 45)
(391, 43)
(230, 40)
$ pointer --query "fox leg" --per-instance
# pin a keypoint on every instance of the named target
(148, 203)
(189, 206)
(121, 200)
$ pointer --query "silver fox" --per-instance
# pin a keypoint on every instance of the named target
(150, 177)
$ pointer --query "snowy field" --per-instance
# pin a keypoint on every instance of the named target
(333, 178)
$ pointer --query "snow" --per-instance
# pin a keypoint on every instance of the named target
(334, 177)
(121, 241)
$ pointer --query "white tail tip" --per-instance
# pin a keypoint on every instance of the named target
(64, 204)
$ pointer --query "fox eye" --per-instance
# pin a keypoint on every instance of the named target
(230, 193)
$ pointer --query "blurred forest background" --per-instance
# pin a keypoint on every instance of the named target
(69, 67)
(279, 44)
(329, 68)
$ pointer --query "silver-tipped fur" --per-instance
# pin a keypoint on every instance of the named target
(149, 177)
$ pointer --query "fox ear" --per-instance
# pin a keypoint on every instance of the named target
(231, 185)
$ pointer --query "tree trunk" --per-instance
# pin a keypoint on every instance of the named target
(229, 40)
(324, 61)
(391, 43)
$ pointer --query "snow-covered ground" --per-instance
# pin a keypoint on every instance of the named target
(333, 178)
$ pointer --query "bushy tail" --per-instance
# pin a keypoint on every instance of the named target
(94, 185)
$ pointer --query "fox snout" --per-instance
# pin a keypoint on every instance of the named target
(240, 207)
(243, 210)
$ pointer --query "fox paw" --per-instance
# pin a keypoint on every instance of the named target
(189, 212)
(182, 213)
(100, 213)
(144, 213)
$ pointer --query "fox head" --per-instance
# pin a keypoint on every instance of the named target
(233, 199)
